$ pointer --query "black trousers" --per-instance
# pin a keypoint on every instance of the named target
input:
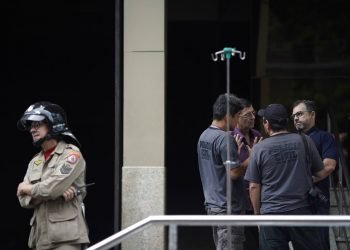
(302, 238)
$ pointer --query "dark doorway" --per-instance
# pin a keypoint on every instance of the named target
(64, 53)
(193, 83)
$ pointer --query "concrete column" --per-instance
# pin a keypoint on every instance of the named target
(143, 172)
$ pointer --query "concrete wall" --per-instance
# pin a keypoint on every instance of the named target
(143, 173)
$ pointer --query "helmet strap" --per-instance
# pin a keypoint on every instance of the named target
(39, 142)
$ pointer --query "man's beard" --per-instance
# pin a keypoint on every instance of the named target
(299, 126)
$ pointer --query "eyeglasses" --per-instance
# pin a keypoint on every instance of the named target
(299, 114)
(36, 125)
(249, 114)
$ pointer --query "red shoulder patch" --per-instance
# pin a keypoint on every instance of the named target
(73, 157)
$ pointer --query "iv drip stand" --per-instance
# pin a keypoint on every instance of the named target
(227, 53)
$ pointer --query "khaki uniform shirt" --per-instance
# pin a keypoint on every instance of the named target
(56, 221)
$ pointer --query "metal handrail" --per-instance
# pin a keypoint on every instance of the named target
(233, 220)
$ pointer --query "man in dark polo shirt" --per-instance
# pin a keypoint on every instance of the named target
(304, 116)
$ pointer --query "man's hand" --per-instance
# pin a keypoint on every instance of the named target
(70, 193)
(24, 188)
(239, 142)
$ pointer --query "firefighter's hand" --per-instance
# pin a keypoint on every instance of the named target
(70, 193)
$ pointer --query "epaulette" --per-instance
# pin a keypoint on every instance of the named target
(73, 147)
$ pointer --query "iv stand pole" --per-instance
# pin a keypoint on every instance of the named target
(226, 53)
(228, 115)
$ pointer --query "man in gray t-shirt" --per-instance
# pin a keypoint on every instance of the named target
(212, 148)
(278, 164)
(280, 179)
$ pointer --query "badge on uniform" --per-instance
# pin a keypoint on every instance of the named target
(73, 157)
(65, 169)
(37, 162)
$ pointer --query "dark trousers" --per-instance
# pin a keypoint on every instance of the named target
(302, 238)
(251, 236)
(323, 209)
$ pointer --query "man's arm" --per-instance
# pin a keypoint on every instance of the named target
(320, 168)
(329, 167)
(254, 193)
(24, 195)
(25, 189)
(238, 172)
(235, 173)
(320, 175)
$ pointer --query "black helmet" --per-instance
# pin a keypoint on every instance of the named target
(53, 115)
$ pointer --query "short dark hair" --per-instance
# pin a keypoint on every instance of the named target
(246, 103)
(220, 106)
(278, 126)
(310, 105)
(277, 116)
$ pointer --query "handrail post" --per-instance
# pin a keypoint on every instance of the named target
(172, 237)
